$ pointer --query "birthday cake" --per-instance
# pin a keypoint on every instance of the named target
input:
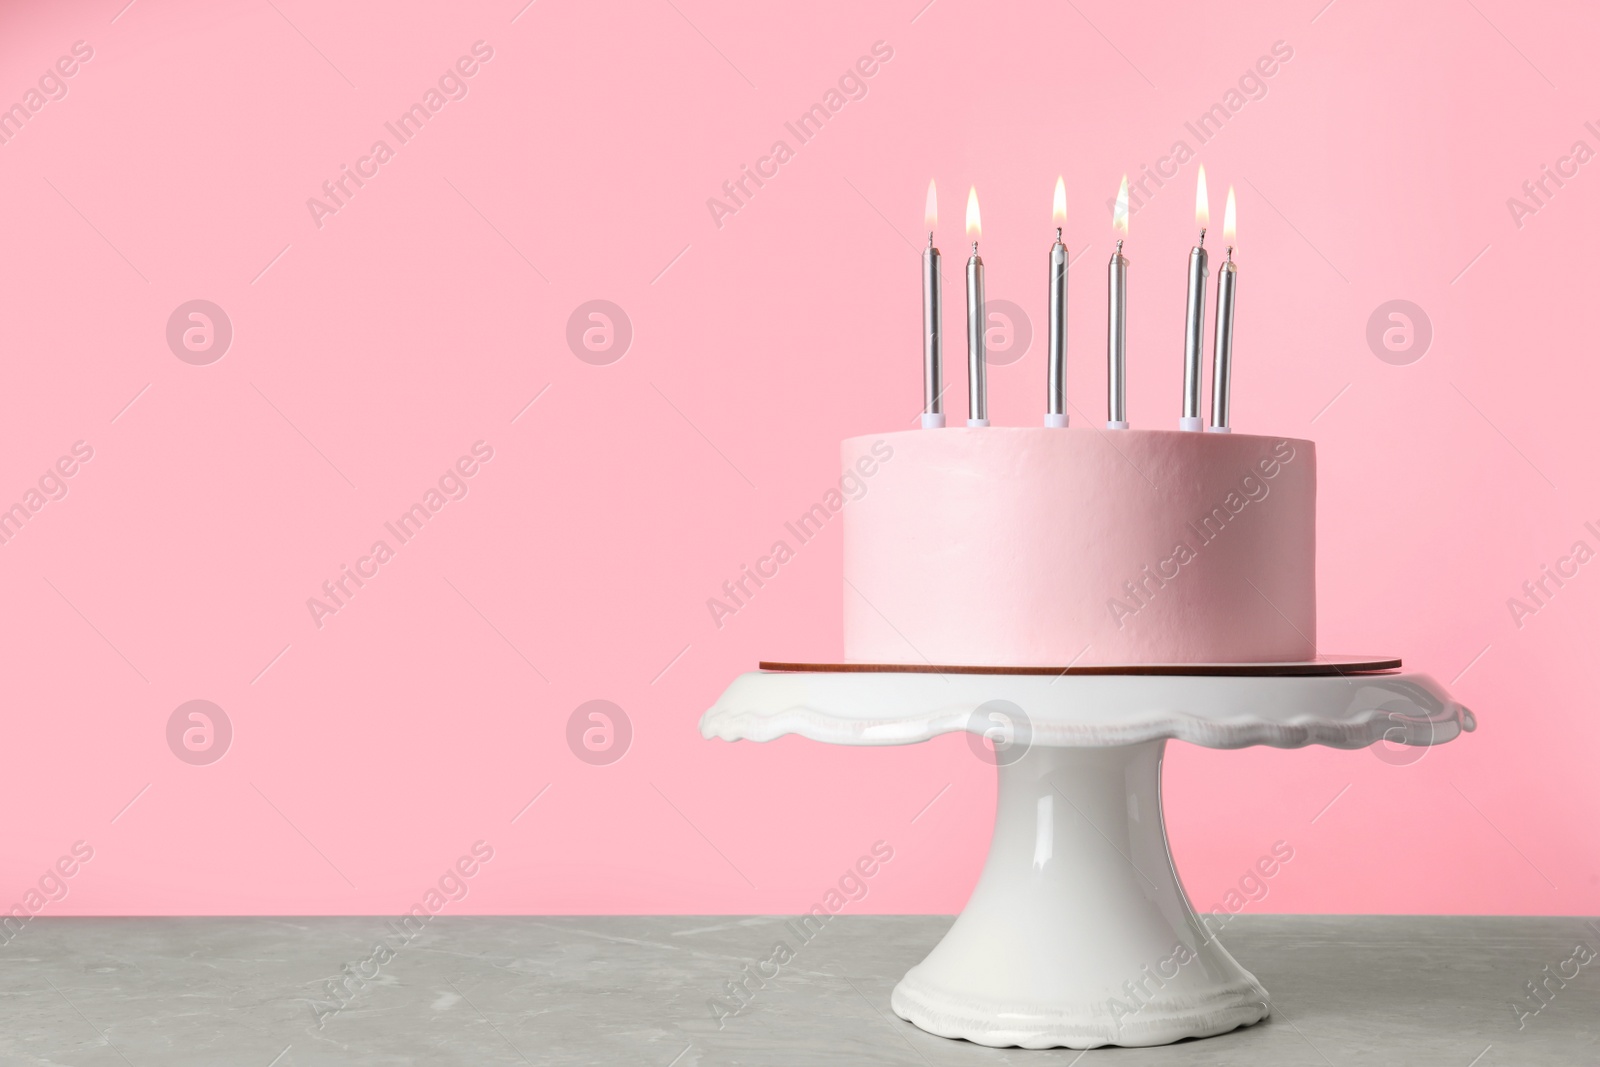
(998, 546)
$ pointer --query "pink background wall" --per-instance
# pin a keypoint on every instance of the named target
(370, 352)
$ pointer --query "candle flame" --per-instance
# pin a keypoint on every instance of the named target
(930, 213)
(1058, 209)
(1202, 201)
(1229, 228)
(1119, 214)
(974, 224)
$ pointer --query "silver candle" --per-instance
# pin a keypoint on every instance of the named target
(1056, 415)
(1117, 324)
(1222, 351)
(932, 324)
(977, 317)
(1195, 323)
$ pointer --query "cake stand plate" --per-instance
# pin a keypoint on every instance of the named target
(1078, 932)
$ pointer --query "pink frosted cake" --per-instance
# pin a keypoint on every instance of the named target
(1047, 547)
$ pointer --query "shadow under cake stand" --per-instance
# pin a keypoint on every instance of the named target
(1078, 932)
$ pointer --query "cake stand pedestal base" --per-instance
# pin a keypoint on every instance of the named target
(1078, 933)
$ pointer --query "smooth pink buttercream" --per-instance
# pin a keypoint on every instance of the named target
(1043, 547)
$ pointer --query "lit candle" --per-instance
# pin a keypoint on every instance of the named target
(1057, 413)
(932, 319)
(977, 387)
(1117, 326)
(1222, 352)
(1193, 339)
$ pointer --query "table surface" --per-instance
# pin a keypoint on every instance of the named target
(1419, 991)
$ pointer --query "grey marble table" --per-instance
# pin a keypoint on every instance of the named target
(262, 992)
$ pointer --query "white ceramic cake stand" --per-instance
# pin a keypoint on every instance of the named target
(1078, 932)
